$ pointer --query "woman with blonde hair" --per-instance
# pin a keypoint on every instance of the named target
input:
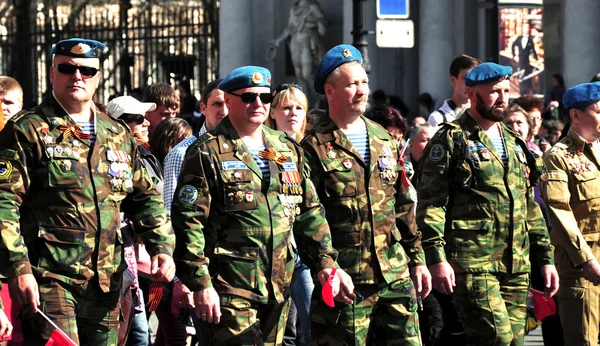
(288, 114)
(288, 110)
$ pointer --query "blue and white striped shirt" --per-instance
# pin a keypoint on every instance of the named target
(498, 143)
(360, 141)
(89, 128)
(262, 163)
(172, 164)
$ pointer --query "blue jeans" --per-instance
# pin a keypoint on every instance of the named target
(138, 333)
(302, 288)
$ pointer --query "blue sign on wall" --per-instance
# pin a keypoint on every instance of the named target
(392, 9)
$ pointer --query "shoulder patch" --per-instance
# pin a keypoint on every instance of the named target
(5, 169)
(437, 152)
(188, 194)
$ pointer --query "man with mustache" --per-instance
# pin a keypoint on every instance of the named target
(67, 170)
(479, 220)
(365, 192)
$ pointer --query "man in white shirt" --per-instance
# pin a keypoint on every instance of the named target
(459, 101)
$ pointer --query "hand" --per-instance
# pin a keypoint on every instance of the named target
(342, 286)
(442, 276)
(208, 307)
(551, 280)
(591, 271)
(24, 290)
(516, 58)
(545, 146)
(6, 327)
(162, 268)
(181, 298)
(422, 279)
(553, 104)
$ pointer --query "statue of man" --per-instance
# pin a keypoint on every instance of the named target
(306, 27)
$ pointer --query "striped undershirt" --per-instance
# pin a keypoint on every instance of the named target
(262, 163)
(498, 143)
(360, 141)
(87, 127)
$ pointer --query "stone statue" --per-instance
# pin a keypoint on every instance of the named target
(306, 28)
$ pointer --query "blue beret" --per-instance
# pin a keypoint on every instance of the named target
(79, 48)
(246, 77)
(335, 57)
(582, 95)
(487, 72)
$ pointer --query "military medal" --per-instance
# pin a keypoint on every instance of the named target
(485, 154)
(58, 150)
(68, 151)
(76, 154)
(347, 163)
(330, 153)
(249, 196)
(65, 166)
(50, 152)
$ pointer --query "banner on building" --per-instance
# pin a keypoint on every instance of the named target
(522, 45)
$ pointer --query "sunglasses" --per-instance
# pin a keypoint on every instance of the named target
(70, 69)
(282, 87)
(136, 118)
(250, 97)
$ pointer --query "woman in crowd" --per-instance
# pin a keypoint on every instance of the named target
(288, 114)
(391, 119)
(167, 135)
(517, 119)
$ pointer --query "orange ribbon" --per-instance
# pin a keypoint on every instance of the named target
(272, 155)
(73, 131)
(154, 296)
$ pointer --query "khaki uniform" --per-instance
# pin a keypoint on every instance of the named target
(234, 230)
(61, 201)
(480, 216)
(371, 216)
(572, 195)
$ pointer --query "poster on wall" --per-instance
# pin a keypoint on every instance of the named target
(522, 46)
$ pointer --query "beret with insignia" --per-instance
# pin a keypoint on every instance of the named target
(79, 48)
(335, 57)
(582, 95)
(486, 73)
(246, 77)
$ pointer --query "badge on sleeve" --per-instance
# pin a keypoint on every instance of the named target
(5, 169)
(188, 194)
(437, 152)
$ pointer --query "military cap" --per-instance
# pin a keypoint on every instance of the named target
(335, 57)
(79, 48)
(128, 105)
(486, 73)
(246, 77)
(582, 95)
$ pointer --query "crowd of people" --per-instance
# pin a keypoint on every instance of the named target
(266, 223)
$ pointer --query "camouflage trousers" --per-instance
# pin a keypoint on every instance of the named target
(492, 307)
(88, 316)
(244, 322)
(386, 315)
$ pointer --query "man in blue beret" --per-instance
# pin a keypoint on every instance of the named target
(572, 195)
(479, 220)
(242, 190)
(67, 170)
(364, 189)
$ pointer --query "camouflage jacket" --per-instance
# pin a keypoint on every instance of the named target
(369, 210)
(475, 213)
(572, 195)
(233, 228)
(61, 198)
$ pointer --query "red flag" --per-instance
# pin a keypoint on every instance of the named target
(59, 338)
(154, 296)
(542, 307)
(327, 291)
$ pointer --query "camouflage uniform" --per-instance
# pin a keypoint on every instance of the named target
(482, 219)
(572, 196)
(234, 228)
(371, 216)
(61, 219)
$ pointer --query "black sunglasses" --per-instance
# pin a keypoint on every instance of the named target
(282, 87)
(130, 118)
(250, 97)
(70, 69)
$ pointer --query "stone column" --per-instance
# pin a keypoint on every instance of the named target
(235, 35)
(436, 47)
(579, 40)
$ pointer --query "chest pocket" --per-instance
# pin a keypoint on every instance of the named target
(64, 170)
(587, 185)
(238, 190)
(340, 177)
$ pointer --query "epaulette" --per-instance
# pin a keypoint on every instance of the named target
(21, 114)
(206, 137)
